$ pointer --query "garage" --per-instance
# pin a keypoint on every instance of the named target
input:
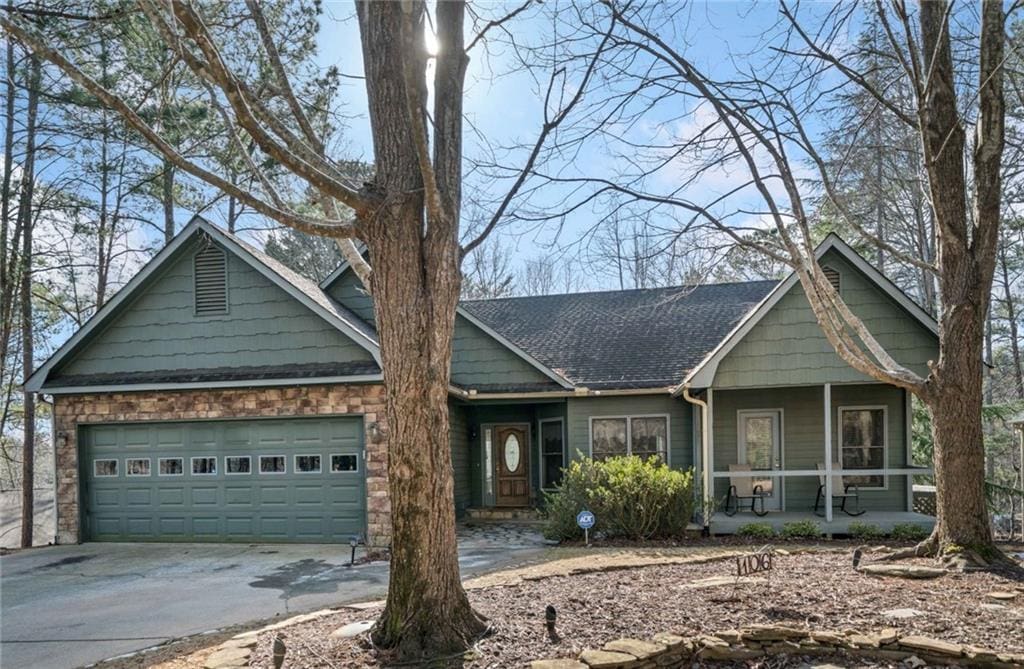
(274, 480)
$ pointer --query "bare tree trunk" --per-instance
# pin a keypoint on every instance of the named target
(167, 199)
(955, 394)
(415, 284)
(25, 212)
(1011, 318)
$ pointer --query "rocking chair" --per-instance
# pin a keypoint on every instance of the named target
(840, 490)
(743, 488)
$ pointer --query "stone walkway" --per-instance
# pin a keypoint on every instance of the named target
(481, 534)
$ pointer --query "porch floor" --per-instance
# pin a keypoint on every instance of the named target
(884, 520)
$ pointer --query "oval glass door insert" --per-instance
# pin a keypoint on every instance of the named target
(512, 454)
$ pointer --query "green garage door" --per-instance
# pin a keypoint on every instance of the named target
(293, 480)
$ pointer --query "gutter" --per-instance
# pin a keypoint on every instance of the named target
(705, 455)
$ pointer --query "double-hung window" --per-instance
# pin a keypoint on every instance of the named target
(862, 443)
(643, 436)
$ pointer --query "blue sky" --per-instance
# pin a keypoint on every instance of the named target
(507, 107)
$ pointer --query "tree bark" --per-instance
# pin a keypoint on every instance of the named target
(167, 200)
(966, 257)
(415, 284)
(25, 213)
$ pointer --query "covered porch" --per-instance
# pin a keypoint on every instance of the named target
(793, 452)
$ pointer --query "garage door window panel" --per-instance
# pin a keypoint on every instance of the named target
(171, 467)
(272, 464)
(238, 464)
(344, 463)
(104, 468)
(307, 464)
(137, 467)
(204, 466)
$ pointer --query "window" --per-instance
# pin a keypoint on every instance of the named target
(648, 437)
(204, 466)
(104, 468)
(271, 464)
(862, 443)
(552, 453)
(171, 467)
(645, 436)
(344, 463)
(608, 437)
(307, 464)
(238, 464)
(136, 467)
(210, 277)
(833, 277)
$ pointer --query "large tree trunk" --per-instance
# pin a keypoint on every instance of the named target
(415, 284)
(25, 213)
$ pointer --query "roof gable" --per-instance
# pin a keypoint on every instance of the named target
(704, 374)
(317, 322)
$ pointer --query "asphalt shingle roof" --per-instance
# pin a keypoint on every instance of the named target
(265, 372)
(623, 339)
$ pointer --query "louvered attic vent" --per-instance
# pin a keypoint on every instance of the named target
(833, 277)
(211, 281)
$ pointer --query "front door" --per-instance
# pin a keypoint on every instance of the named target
(512, 466)
(760, 447)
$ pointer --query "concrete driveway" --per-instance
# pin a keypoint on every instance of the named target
(66, 606)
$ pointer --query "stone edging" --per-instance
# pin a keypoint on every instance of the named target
(758, 641)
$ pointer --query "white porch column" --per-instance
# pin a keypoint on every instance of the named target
(709, 459)
(828, 452)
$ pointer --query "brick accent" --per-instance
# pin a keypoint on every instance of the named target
(72, 411)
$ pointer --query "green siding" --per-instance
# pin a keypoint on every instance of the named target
(479, 359)
(459, 438)
(348, 291)
(582, 409)
(287, 507)
(264, 325)
(787, 347)
(803, 425)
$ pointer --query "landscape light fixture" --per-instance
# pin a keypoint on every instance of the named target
(353, 542)
(550, 615)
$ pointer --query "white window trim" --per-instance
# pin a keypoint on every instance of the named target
(343, 471)
(159, 460)
(227, 471)
(284, 458)
(127, 469)
(191, 465)
(885, 438)
(295, 463)
(117, 468)
(629, 432)
(540, 445)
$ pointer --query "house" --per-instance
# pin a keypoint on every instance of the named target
(220, 396)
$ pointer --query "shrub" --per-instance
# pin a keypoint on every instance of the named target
(909, 532)
(859, 530)
(801, 529)
(756, 531)
(630, 497)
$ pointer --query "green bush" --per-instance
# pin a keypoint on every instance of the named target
(859, 530)
(756, 531)
(801, 529)
(630, 498)
(909, 532)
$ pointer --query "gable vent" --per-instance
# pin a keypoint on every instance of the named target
(833, 277)
(211, 281)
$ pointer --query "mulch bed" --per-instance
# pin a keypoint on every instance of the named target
(819, 590)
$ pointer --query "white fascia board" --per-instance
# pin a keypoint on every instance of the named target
(703, 374)
(251, 383)
(34, 382)
(536, 364)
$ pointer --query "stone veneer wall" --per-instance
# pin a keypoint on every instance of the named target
(71, 411)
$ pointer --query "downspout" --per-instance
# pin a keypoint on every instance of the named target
(705, 458)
